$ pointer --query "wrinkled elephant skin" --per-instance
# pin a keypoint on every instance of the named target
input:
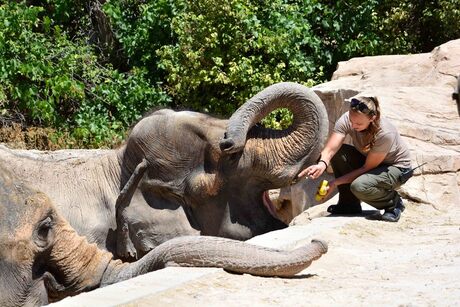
(42, 258)
(181, 173)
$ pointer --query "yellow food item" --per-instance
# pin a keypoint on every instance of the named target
(322, 190)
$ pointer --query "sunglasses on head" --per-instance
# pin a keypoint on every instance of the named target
(360, 106)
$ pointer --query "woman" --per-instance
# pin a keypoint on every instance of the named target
(372, 169)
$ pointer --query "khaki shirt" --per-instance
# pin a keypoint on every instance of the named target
(387, 140)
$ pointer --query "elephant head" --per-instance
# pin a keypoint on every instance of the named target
(42, 259)
(213, 175)
(41, 256)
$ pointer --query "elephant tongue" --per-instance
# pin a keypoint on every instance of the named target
(269, 205)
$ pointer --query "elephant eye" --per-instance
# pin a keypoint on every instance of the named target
(43, 231)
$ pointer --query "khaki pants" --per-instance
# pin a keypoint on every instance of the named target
(376, 187)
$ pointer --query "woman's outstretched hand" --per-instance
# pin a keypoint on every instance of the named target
(313, 171)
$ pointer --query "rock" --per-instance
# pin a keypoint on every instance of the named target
(416, 94)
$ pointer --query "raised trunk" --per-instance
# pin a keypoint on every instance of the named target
(232, 255)
(281, 153)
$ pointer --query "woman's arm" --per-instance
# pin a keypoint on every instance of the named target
(332, 146)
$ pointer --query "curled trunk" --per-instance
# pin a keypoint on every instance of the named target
(281, 153)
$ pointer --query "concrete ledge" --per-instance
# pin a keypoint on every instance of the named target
(147, 286)
(128, 291)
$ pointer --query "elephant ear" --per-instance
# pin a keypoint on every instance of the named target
(141, 216)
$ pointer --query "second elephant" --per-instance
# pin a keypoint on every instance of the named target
(42, 258)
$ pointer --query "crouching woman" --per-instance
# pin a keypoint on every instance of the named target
(372, 169)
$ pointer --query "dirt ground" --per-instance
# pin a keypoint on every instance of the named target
(415, 262)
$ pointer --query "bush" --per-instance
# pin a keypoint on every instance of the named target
(226, 51)
(87, 75)
(143, 27)
(420, 25)
(55, 82)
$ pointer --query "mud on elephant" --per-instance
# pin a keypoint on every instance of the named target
(181, 173)
(42, 258)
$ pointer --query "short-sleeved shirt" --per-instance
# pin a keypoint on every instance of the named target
(387, 140)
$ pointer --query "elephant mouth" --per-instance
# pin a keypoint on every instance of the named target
(269, 204)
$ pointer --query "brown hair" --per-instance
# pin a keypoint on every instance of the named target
(373, 105)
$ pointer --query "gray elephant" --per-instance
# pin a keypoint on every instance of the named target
(42, 258)
(181, 173)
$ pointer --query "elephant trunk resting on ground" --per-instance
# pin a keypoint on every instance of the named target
(197, 175)
(43, 259)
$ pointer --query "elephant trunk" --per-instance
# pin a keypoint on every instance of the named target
(232, 255)
(283, 153)
(77, 266)
(80, 266)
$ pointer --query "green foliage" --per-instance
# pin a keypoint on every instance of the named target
(226, 51)
(279, 119)
(114, 101)
(89, 76)
(70, 15)
(349, 28)
(142, 27)
(59, 83)
(361, 28)
(420, 25)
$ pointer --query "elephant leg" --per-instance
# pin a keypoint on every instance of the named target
(125, 247)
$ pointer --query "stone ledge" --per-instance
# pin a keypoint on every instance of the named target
(145, 287)
(128, 291)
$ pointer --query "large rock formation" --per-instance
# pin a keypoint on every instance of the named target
(415, 92)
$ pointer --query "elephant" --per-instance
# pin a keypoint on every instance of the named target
(43, 259)
(181, 173)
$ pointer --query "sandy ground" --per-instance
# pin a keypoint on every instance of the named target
(415, 262)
